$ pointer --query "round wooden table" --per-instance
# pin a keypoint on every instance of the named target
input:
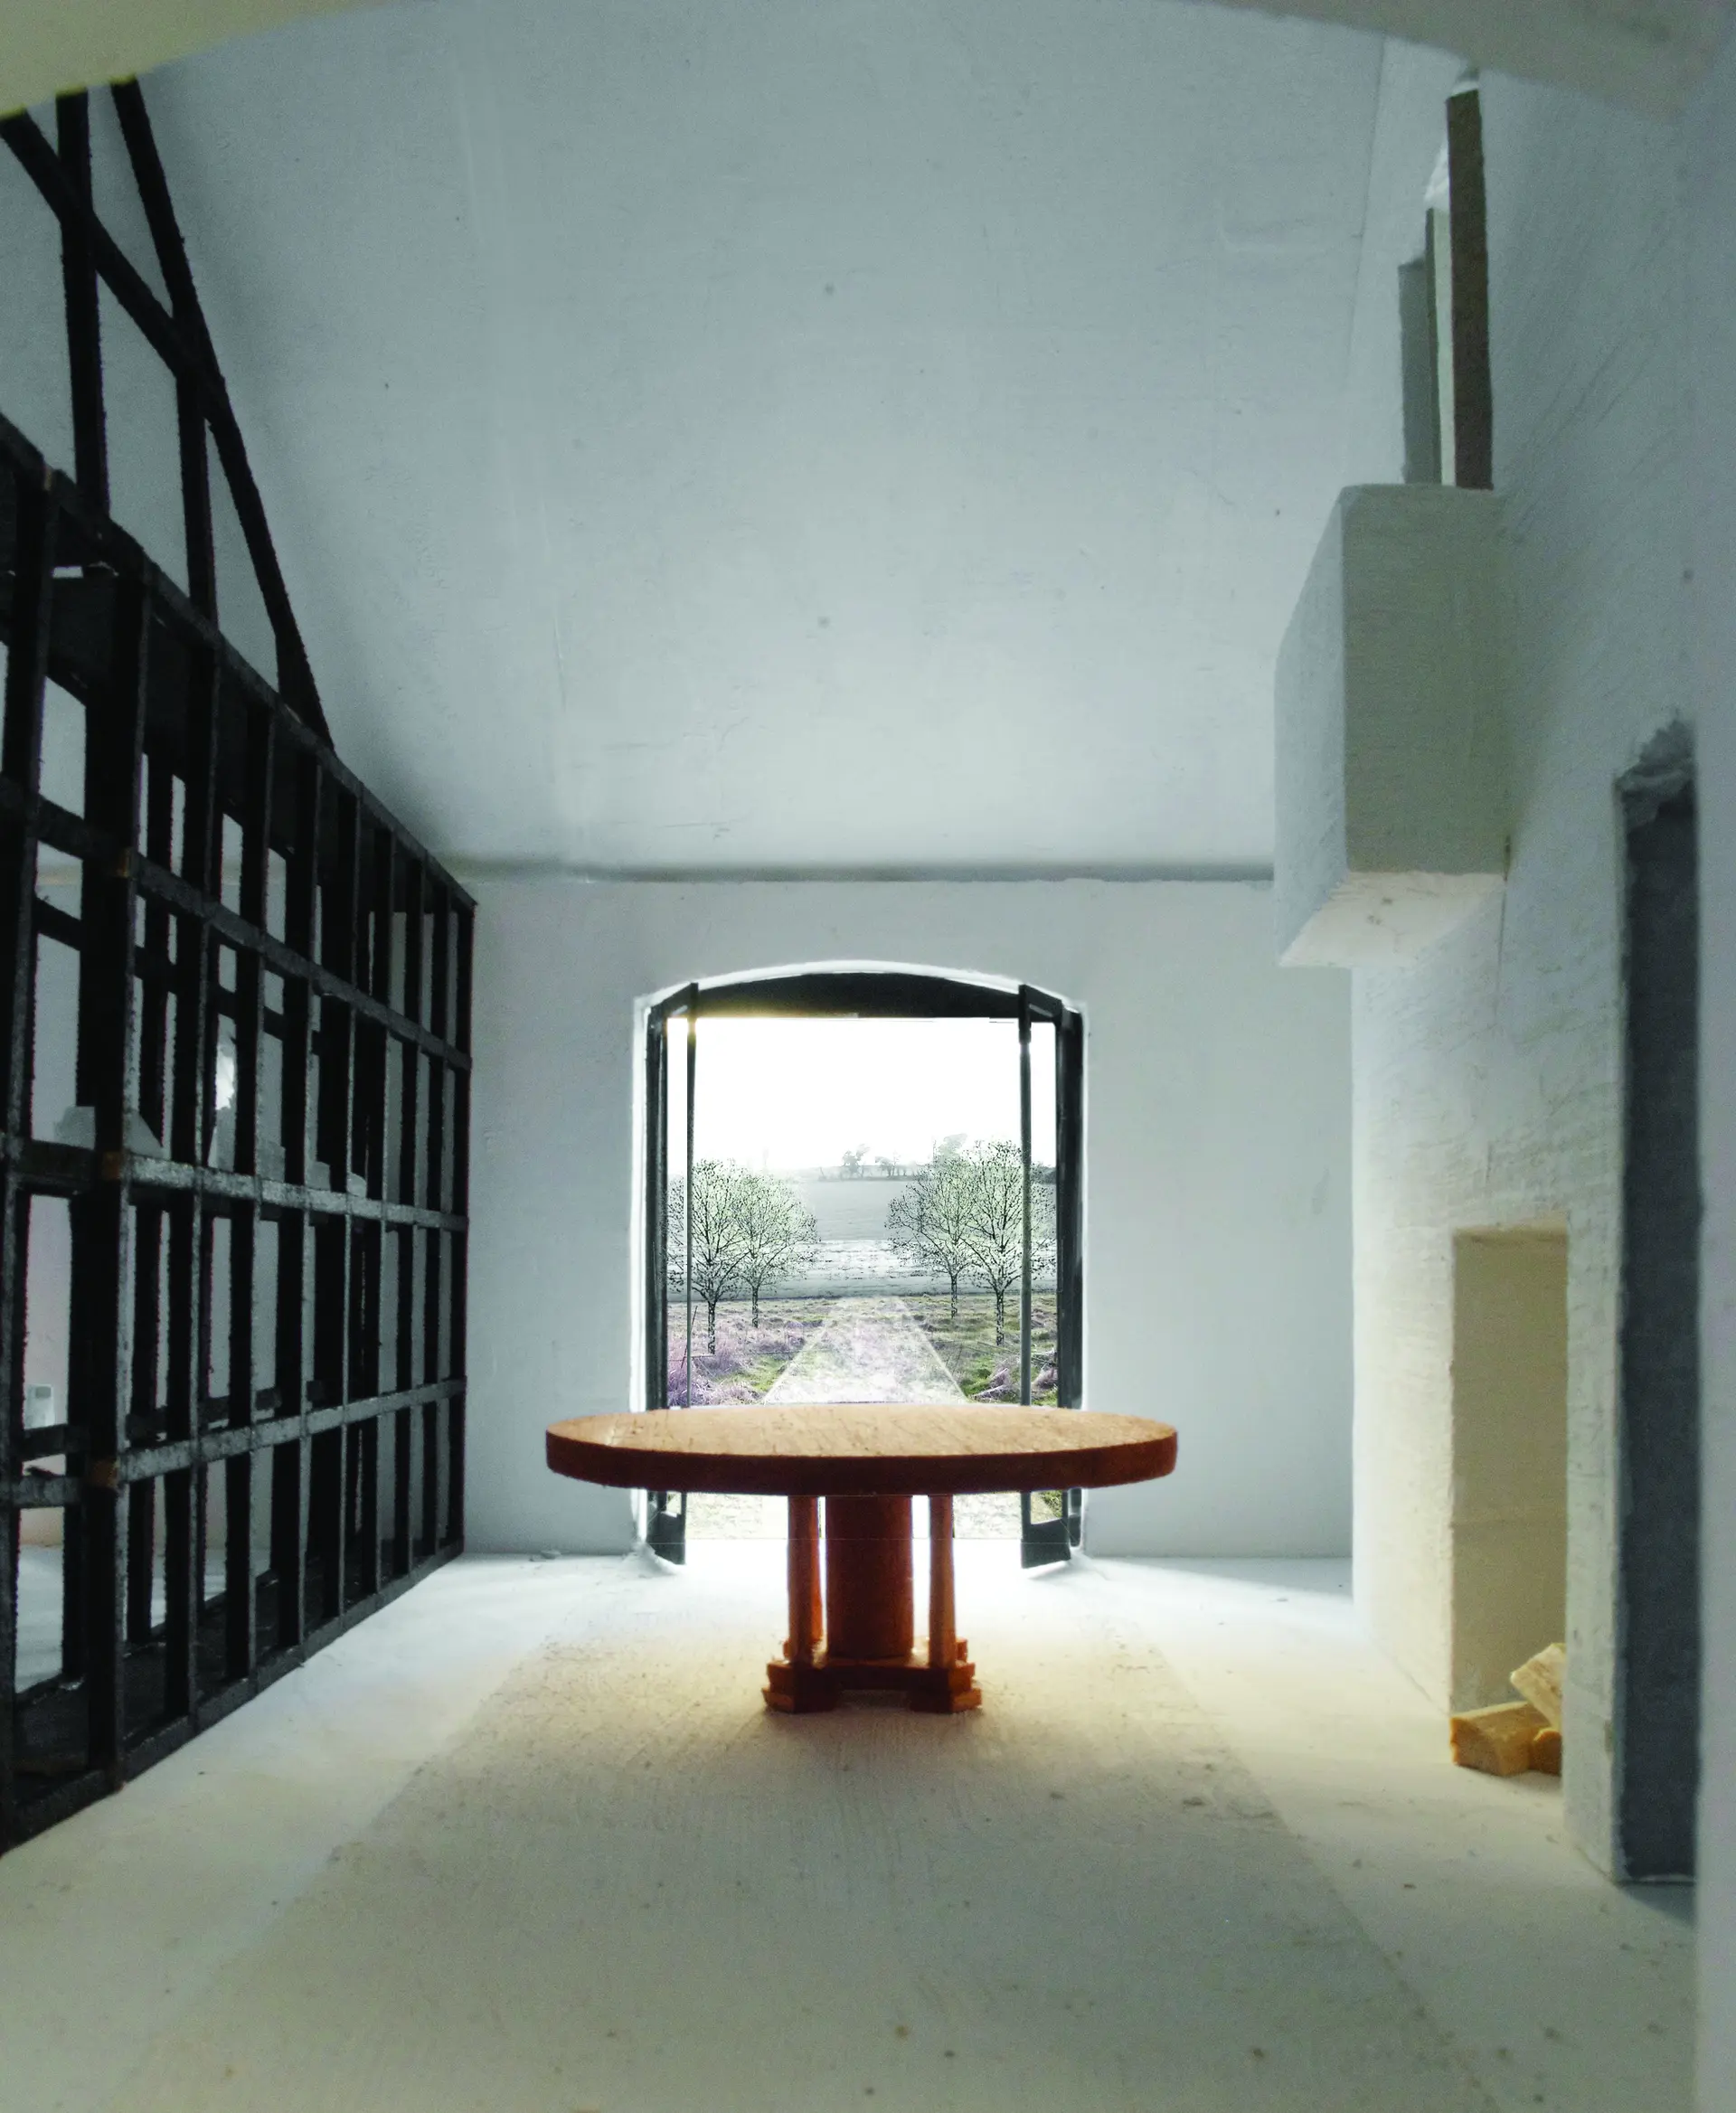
(866, 1463)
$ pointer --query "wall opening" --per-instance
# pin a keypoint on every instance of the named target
(861, 1186)
(1657, 1669)
(1509, 1519)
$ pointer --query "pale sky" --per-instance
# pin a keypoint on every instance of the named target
(793, 1093)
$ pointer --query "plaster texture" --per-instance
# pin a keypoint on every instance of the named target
(1216, 1208)
(1391, 808)
(1487, 1090)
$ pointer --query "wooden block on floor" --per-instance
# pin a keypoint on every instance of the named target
(1546, 1751)
(1496, 1741)
(1540, 1681)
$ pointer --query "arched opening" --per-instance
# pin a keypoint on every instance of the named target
(935, 1256)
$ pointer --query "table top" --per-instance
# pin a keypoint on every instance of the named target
(873, 1450)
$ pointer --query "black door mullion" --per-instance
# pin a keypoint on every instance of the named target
(1069, 1191)
(1053, 1540)
(1070, 1232)
(665, 1523)
(657, 1208)
(1024, 1199)
(687, 1221)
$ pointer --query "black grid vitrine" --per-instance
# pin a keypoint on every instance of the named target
(236, 1199)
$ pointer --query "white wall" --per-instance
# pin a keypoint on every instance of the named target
(1217, 1222)
(1487, 1076)
(1487, 1081)
(1710, 189)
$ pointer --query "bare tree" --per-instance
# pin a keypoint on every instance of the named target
(745, 1229)
(993, 1178)
(706, 1232)
(778, 1236)
(929, 1223)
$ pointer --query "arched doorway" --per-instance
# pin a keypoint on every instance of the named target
(1025, 1190)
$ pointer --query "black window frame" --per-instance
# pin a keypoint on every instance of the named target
(878, 994)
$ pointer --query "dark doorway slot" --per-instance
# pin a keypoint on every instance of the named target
(1446, 395)
(1658, 1698)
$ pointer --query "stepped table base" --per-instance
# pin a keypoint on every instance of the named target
(869, 1610)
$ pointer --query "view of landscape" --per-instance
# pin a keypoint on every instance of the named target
(855, 1231)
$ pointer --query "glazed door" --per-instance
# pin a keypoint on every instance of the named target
(668, 1142)
(1051, 1140)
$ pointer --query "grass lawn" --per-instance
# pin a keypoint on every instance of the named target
(747, 1359)
(985, 1371)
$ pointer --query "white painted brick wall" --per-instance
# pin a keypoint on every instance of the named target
(1487, 1075)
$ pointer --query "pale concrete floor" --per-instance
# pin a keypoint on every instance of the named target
(134, 1938)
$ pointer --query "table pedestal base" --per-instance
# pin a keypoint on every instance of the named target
(940, 1690)
(868, 1586)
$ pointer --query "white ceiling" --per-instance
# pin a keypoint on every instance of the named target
(1645, 54)
(753, 434)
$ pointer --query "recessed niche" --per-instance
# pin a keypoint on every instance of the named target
(1509, 1518)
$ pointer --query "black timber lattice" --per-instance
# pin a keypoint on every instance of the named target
(92, 262)
(262, 1162)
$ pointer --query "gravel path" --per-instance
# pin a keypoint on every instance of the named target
(866, 1350)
